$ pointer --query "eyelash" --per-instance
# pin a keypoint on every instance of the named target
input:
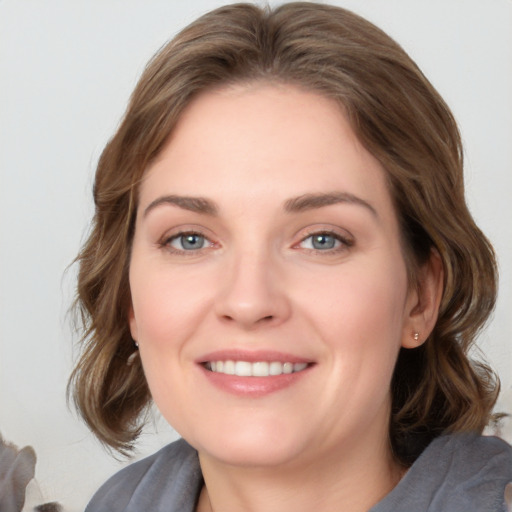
(344, 243)
(167, 241)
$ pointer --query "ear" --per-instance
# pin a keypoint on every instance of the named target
(133, 323)
(423, 302)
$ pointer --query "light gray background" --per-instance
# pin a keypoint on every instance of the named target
(66, 70)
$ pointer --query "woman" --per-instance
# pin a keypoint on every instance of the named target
(283, 260)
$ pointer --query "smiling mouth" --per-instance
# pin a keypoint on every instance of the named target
(254, 369)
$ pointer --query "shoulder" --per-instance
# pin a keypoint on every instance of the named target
(168, 480)
(456, 473)
(473, 450)
(469, 453)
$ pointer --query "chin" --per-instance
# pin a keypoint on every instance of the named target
(254, 456)
(253, 447)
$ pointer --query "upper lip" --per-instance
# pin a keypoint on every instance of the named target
(252, 356)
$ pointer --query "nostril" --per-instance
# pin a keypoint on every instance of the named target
(263, 320)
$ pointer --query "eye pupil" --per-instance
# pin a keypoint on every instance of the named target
(323, 241)
(192, 241)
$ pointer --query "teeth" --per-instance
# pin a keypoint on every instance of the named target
(260, 369)
(275, 368)
(243, 369)
(257, 369)
(229, 367)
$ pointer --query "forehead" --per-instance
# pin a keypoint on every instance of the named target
(263, 140)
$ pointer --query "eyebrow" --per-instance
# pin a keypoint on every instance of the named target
(313, 201)
(194, 204)
(294, 205)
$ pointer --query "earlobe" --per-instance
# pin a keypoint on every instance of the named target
(424, 301)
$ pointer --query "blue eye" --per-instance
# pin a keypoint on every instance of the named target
(325, 242)
(188, 242)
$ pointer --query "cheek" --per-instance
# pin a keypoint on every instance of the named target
(361, 315)
(165, 305)
(165, 313)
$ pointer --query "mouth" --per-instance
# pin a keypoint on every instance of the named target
(254, 369)
(253, 374)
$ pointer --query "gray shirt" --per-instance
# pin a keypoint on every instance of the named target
(456, 473)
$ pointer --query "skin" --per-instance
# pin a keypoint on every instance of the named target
(259, 283)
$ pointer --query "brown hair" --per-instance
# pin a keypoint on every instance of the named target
(401, 120)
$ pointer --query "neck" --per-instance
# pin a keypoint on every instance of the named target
(354, 480)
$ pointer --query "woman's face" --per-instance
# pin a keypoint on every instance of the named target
(266, 243)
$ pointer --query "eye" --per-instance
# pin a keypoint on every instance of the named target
(321, 241)
(187, 242)
(325, 241)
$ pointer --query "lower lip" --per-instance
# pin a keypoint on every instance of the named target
(254, 387)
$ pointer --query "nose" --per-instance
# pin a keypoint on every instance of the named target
(253, 293)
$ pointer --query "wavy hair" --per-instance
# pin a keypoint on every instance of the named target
(397, 115)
